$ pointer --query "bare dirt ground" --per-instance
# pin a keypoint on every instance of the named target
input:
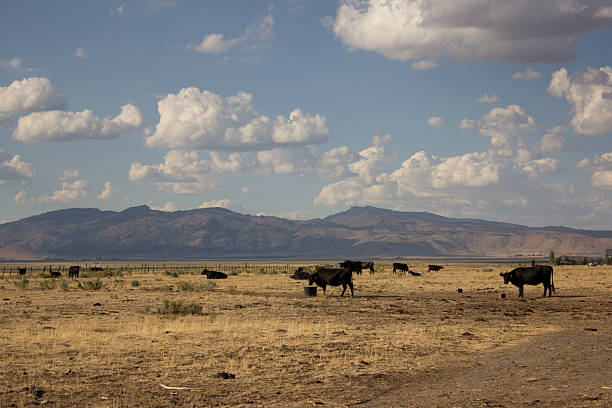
(402, 341)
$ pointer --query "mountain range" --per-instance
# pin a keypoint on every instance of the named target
(217, 233)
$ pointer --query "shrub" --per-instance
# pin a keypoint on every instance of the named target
(64, 284)
(234, 272)
(135, 284)
(178, 307)
(22, 284)
(48, 284)
(89, 285)
(195, 287)
(174, 274)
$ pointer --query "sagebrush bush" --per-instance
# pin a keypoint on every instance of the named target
(178, 307)
(89, 285)
(48, 284)
(22, 284)
(135, 283)
(196, 287)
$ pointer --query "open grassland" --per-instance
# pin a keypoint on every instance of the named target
(255, 340)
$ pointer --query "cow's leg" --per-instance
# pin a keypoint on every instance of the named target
(544, 295)
(351, 286)
(343, 289)
(520, 291)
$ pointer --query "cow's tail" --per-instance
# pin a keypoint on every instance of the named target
(552, 278)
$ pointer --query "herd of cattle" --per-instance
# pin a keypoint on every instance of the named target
(325, 276)
(328, 276)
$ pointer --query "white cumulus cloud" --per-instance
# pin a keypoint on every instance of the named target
(14, 62)
(223, 203)
(590, 94)
(69, 175)
(435, 121)
(528, 74)
(194, 119)
(108, 192)
(519, 31)
(53, 126)
(69, 193)
(423, 65)
(488, 99)
(28, 95)
(13, 170)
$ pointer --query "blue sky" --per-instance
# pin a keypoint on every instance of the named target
(479, 108)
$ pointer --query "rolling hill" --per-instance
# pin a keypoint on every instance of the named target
(217, 233)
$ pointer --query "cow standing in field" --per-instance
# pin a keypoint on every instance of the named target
(300, 274)
(531, 275)
(73, 271)
(357, 266)
(55, 274)
(213, 274)
(332, 277)
(21, 271)
(397, 266)
(434, 268)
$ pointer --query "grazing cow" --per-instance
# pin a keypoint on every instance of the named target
(357, 266)
(213, 274)
(370, 266)
(55, 274)
(531, 275)
(300, 274)
(95, 268)
(414, 273)
(332, 277)
(400, 266)
(21, 271)
(73, 271)
(434, 268)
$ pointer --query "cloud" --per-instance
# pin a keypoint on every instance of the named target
(468, 30)
(423, 65)
(528, 74)
(194, 119)
(170, 206)
(299, 160)
(69, 175)
(21, 197)
(108, 192)
(14, 62)
(467, 124)
(223, 203)
(552, 141)
(590, 94)
(118, 10)
(488, 99)
(80, 53)
(214, 44)
(505, 125)
(602, 170)
(602, 179)
(69, 193)
(54, 126)
(255, 35)
(13, 170)
(28, 95)
(435, 121)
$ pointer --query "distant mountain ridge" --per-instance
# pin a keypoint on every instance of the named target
(217, 233)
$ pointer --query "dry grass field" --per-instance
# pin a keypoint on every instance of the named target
(401, 341)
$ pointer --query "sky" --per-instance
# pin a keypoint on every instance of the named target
(303, 108)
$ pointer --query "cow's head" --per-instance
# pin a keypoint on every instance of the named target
(507, 276)
(311, 278)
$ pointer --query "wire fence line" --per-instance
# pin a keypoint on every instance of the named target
(129, 268)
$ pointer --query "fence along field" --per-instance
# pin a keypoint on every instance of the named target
(255, 340)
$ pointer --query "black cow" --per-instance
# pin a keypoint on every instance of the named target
(300, 274)
(21, 271)
(55, 274)
(434, 268)
(531, 275)
(357, 266)
(414, 273)
(400, 266)
(213, 274)
(73, 271)
(332, 277)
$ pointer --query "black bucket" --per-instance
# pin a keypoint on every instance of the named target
(310, 290)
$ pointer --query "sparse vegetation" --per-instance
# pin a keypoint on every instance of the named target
(186, 286)
(135, 283)
(91, 285)
(22, 284)
(178, 307)
(48, 284)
